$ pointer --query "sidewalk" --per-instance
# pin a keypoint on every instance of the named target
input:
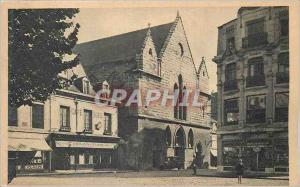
(67, 172)
(247, 174)
(165, 173)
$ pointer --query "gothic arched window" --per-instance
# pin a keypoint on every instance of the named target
(191, 138)
(181, 49)
(176, 109)
(180, 108)
(168, 136)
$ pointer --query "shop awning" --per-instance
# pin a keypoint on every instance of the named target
(28, 144)
(92, 145)
(213, 152)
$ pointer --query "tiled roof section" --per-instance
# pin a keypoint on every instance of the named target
(120, 47)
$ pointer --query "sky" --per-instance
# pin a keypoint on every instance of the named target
(200, 24)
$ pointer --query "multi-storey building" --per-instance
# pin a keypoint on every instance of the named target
(253, 89)
(68, 131)
(157, 58)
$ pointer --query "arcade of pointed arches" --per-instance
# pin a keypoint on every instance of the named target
(179, 138)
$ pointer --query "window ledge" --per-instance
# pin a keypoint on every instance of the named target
(231, 91)
(256, 87)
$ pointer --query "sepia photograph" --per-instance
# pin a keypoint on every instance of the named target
(150, 95)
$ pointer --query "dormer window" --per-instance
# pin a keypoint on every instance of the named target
(105, 89)
(86, 87)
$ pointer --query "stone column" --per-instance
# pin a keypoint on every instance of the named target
(242, 85)
(220, 153)
(270, 75)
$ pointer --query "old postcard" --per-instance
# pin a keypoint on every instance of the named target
(195, 93)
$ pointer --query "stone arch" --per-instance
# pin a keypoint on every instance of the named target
(168, 136)
(191, 138)
(179, 146)
(179, 138)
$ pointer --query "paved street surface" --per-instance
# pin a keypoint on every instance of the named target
(143, 178)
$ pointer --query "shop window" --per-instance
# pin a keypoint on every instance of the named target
(230, 155)
(256, 109)
(91, 159)
(107, 123)
(81, 159)
(88, 120)
(191, 139)
(281, 107)
(12, 116)
(168, 136)
(64, 118)
(231, 111)
(38, 116)
(72, 159)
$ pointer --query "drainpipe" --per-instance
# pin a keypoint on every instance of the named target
(50, 153)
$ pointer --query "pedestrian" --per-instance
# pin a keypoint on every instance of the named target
(194, 165)
(240, 171)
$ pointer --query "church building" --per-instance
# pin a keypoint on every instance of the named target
(160, 58)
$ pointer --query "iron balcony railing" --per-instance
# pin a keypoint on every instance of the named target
(230, 85)
(254, 40)
(282, 77)
(65, 128)
(258, 80)
(256, 116)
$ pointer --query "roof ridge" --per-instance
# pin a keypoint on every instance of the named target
(122, 34)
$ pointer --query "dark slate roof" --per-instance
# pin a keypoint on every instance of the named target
(120, 47)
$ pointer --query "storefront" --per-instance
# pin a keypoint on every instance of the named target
(71, 152)
(28, 155)
(266, 155)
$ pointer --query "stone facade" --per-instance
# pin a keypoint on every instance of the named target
(253, 85)
(150, 131)
(44, 138)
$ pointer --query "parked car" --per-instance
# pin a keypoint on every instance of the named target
(172, 163)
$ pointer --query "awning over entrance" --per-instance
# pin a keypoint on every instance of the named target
(91, 145)
(213, 152)
(28, 144)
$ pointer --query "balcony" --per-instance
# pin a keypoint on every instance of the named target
(88, 131)
(256, 116)
(230, 85)
(65, 129)
(258, 80)
(254, 40)
(282, 77)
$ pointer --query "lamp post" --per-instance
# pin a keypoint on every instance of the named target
(76, 123)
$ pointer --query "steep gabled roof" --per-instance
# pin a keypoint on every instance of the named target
(120, 47)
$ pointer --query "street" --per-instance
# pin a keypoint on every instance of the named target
(143, 178)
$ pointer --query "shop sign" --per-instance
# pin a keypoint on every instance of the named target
(74, 144)
(256, 149)
(34, 167)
